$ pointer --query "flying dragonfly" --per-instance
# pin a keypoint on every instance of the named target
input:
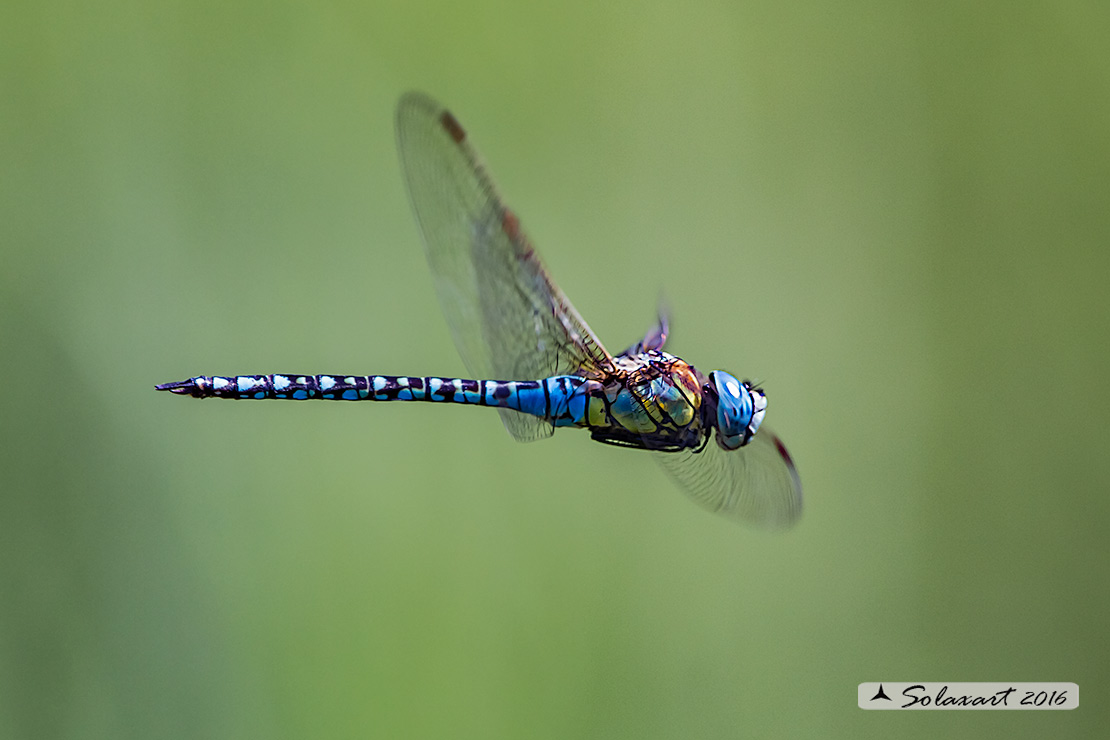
(511, 321)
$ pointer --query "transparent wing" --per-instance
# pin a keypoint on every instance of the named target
(656, 336)
(508, 319)
(757, 483)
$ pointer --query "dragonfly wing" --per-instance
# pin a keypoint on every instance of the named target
(757, 483)
(508, 318)
(655, 338)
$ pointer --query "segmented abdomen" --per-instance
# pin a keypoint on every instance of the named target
(557, 399)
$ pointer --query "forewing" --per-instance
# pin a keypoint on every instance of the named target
(508, 319)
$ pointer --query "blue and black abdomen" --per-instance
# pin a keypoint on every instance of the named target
(557, 399)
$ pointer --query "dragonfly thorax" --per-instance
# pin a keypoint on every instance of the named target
(651, 399)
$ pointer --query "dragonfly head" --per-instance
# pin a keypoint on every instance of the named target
(740, 409)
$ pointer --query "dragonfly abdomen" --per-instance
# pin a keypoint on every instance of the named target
(557, 399)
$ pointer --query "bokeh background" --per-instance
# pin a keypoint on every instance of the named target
(895, 215)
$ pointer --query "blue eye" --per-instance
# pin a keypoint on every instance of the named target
(740, 410)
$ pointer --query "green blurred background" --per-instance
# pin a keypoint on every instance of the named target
(894, 214)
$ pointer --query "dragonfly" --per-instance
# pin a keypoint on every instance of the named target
(533, 357)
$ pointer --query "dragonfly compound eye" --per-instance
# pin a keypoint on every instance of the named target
(739, 410)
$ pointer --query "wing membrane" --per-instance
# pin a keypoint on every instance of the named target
(508, 319)
(757, 483)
